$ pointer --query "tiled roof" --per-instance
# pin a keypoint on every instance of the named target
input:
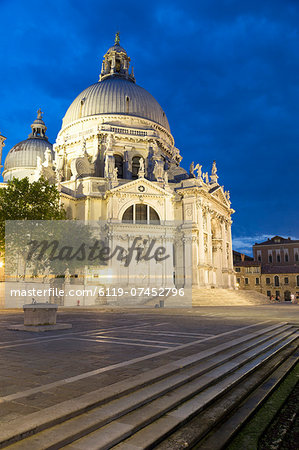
(281, 241)
(238, 256)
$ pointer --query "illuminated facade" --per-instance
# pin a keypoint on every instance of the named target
(116, 161)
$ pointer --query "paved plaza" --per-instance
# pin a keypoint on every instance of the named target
(39, 370)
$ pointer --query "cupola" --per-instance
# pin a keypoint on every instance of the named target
(116, 63)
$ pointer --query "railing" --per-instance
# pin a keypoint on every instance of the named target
(128, 131)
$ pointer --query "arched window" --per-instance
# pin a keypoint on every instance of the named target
(117, 65)
(127, 104)
(141, 213)
(128, 215)
(135, 167)
(119, 164)
(276, 280)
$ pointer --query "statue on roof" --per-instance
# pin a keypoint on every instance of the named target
(214, 168)
(198, 168)
(214, 176)
(117, 40)
(191, 170)
(39, 114)
(227, 195)
(206, 177)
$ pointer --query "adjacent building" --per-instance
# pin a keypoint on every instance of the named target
(273, 271)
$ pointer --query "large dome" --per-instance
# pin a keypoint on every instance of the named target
(116, 95)
(25, 153)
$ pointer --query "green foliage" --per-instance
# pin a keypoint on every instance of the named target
(22, 200)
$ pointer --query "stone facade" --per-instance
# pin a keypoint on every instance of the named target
(249, 275)
(274, 271)
(277, 251)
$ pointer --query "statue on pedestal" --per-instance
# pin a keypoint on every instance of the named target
(141, 170)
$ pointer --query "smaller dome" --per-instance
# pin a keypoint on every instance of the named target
(25, 153)
(117, 48)
(38, 122)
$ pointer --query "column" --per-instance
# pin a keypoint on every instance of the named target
(232, 278)
(2, 139)
(224, 254)
(201, 250)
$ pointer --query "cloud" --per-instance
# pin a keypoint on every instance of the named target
(226, 74)
(244, 244)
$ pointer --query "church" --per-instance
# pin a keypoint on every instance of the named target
(115, 161)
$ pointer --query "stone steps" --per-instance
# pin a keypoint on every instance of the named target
(227, 297)
(144, 410)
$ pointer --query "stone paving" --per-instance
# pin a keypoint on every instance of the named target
(106, 346)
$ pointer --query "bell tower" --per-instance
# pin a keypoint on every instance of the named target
(116, 63)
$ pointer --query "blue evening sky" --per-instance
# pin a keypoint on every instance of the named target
(225, 72)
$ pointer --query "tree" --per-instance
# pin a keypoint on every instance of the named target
(22, 200)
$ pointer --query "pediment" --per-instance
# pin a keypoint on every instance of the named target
(141, 186)
(218, 193)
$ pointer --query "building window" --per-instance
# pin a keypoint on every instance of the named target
(287, 296)
(140, 213)
(286, 257)
(268, 281)
(238, 269)
(248, 270)
(127, 104)
(278, 258)
(276, 280)
(238, 280)
(135, 167)
(277, 295)
(259, 258)
(119, 164)
(270, 258)
(296, 257)
(246, 281)
(286, 280)
(257, 281)
(297, 280)
(128, 215)
(269, 293)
